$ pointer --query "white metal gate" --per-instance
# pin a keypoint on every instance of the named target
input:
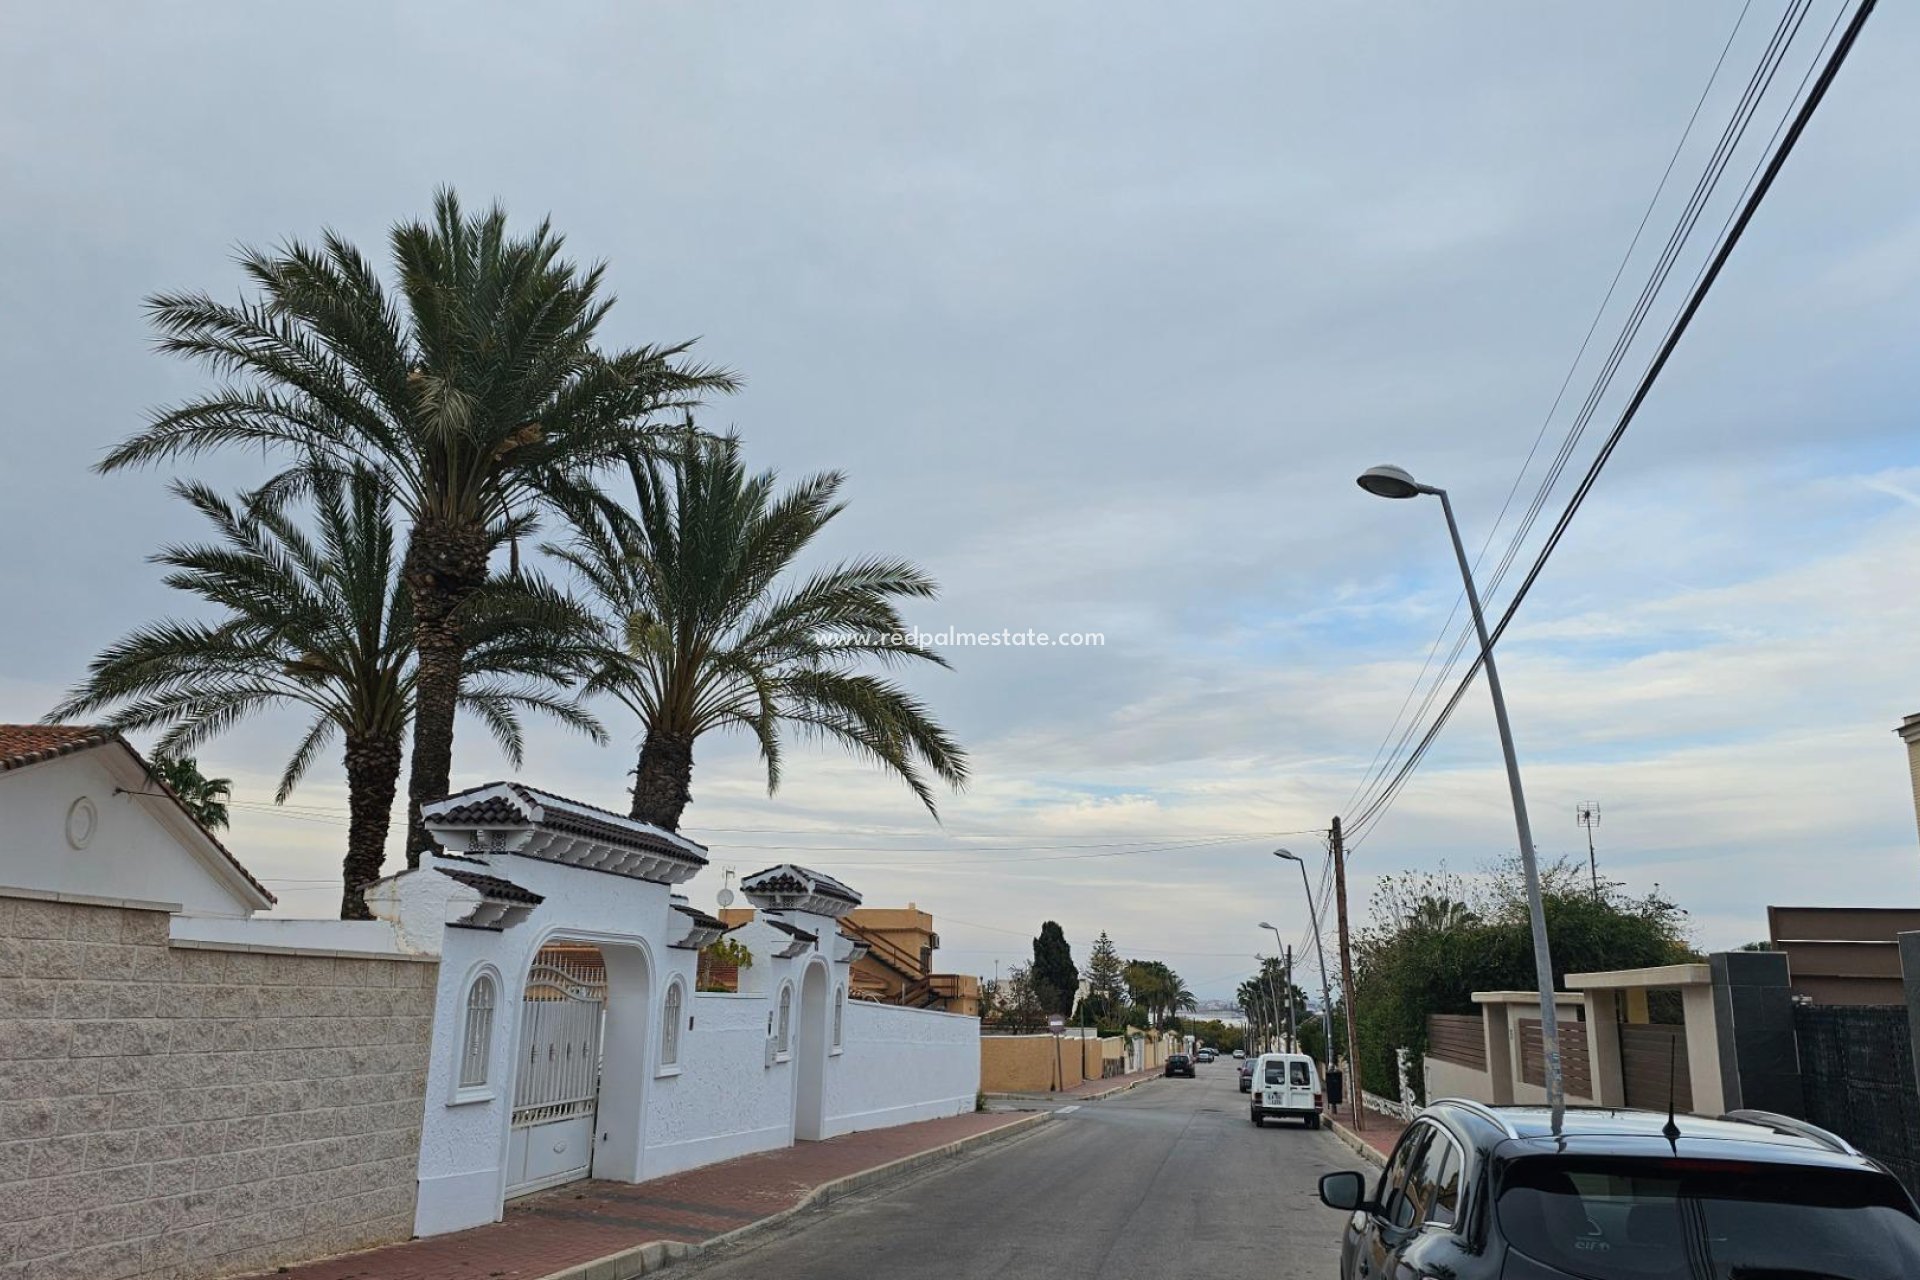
(557, 1080)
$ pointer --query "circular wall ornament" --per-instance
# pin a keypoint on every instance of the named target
(82, 821)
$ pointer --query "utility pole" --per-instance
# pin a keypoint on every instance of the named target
(1346, 977)
(1293, 1032)
(1588, 815)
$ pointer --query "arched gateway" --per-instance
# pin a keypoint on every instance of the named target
(558, 919)
(571, 1036)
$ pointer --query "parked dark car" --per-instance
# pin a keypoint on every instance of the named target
(1180, 1064)
(1474, 1192)
(1246, 1076)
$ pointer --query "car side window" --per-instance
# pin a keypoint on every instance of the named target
(1420, 1179)
(1298, 1072)
(1396, 1204)
(1443, 1204)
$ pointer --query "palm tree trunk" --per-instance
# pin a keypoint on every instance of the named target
(373, 775)
(662, 782)
(445, 565)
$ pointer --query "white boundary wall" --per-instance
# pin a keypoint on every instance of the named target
(730, 1093)
(723, 1101)
(901, 1065)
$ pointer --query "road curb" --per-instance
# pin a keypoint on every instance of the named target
(1120, 1088)
(1360, 1145)
(645, 1259)
(1072, 1097)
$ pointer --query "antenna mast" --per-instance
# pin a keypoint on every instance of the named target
(1588, 815)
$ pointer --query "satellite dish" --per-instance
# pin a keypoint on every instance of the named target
(725, 897)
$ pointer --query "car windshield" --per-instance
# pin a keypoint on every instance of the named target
(1616, 1219)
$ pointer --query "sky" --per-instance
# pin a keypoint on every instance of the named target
(1100, 307)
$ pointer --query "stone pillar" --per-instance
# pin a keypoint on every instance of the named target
(1603, 1047)
(1753, 1022)
(1500, 1067)
(1703, 1049)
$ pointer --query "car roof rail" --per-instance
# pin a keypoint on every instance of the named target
(1482, 1110)
(1795, 1128)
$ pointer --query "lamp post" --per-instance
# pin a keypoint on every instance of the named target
(1393, 482)
(1280, 947)
(1272, 1031)
(1320, 956)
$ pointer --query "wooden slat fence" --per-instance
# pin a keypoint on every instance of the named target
(1651, 1054)
(1575, 1065)
(1459, 1038)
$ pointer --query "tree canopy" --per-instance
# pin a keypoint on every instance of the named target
(1054, 973)
(1436, 938)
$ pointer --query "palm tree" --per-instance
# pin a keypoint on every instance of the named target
(322, 623)
(706, 626)
(1157, 988)
(475, 385)
(203, 797)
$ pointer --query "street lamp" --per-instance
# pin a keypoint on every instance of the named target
(1293, 1033)
(1268, 1033)
(1320, 956)
(1279, 948)
(1393, 482)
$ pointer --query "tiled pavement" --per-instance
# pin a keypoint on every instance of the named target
(1380, 1134)
(578, 1223)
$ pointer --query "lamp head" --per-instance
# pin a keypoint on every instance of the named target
(1288, 854)
(1265, 925)
(1387, 481)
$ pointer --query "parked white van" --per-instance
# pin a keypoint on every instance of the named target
(1286, 1084)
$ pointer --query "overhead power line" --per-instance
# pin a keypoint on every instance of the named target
(1373, 782)
(1754, 193)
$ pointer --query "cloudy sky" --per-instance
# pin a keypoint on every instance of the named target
(1100, 307)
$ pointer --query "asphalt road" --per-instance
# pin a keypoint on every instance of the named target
(1168, 1180)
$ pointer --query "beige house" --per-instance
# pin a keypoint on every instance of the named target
(894, 963)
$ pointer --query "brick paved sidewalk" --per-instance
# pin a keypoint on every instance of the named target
(1380, 1134)
(582, 1221)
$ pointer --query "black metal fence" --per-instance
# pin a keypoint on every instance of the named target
(1856, 1072)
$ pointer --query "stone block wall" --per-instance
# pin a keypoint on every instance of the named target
(188, 1113)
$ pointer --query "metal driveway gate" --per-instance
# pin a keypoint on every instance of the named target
(556, 1083)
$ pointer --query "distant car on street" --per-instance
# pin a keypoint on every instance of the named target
(1475, 1192)
(1180, 1064)
(1204, 1055)
(1239, 1053)
(1246, 1077)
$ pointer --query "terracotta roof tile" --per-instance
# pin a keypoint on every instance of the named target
(700, 917)
(792, 931)
(564, 814)
(790, 877)
(25, 744)
(493, 887)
